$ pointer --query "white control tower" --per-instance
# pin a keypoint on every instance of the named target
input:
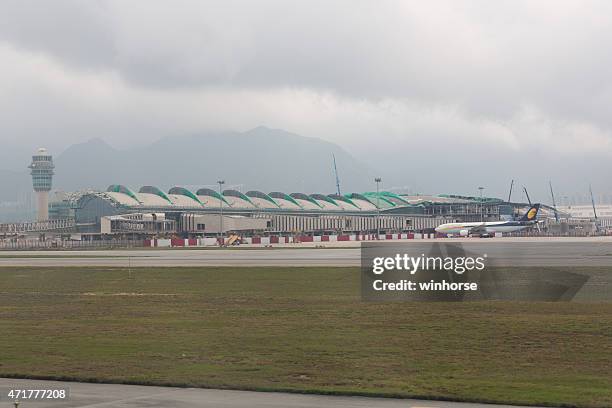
(42, 176)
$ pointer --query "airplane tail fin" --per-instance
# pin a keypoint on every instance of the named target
(531, 214)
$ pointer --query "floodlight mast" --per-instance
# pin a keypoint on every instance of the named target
(221, 239)
(481, 207)
(377, 180)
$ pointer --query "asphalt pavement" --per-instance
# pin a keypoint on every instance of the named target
(126, 396)
(507, 251)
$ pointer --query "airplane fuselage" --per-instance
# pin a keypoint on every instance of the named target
(467, 228)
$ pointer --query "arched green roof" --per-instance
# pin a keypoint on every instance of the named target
(323, 197)
(393, 195)
(236, 193)
(284, 196)
(156, 191)
(358, 197)
(305, 197)
(211, 193)
(379, 196)
(344, 199)
(369, 197)
(185, 192)
(263, 196)
(118, 188)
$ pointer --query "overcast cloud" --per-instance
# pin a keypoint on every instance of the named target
(466, 80)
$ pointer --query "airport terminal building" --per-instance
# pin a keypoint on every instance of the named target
(204, 212)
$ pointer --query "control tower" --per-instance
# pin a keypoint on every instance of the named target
(42, 175)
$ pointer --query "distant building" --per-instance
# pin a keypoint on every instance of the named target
(585, 212)
(196, 212)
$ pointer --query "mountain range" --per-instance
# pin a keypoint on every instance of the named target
(262, 158)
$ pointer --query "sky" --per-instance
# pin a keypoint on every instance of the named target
(435, 96)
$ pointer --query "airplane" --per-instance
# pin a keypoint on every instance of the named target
(488, 229)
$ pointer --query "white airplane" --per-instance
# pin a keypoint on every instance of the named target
(483, 229)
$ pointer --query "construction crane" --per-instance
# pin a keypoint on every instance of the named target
(553, 201)
(527, 194)
(594, 210)
(510, 193)
(529, 201)
(336, 173)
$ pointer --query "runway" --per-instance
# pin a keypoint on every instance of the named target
(188, 257)
(505, 251)
(125, 396)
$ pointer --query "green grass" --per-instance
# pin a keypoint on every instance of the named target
(297, 329)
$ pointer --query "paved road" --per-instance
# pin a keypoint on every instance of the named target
(514, 251)
(125, 396)
(192, 257)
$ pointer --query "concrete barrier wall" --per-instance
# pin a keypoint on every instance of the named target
(275, 239)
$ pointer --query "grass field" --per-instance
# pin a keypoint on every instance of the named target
(299, 329)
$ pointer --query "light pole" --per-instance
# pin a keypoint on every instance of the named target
(377, 180)
(481, 208)
(221, 240)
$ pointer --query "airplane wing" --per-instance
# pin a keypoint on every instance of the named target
(478, 229)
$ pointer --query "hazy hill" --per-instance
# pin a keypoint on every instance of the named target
(262, 158)
(14, 184)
